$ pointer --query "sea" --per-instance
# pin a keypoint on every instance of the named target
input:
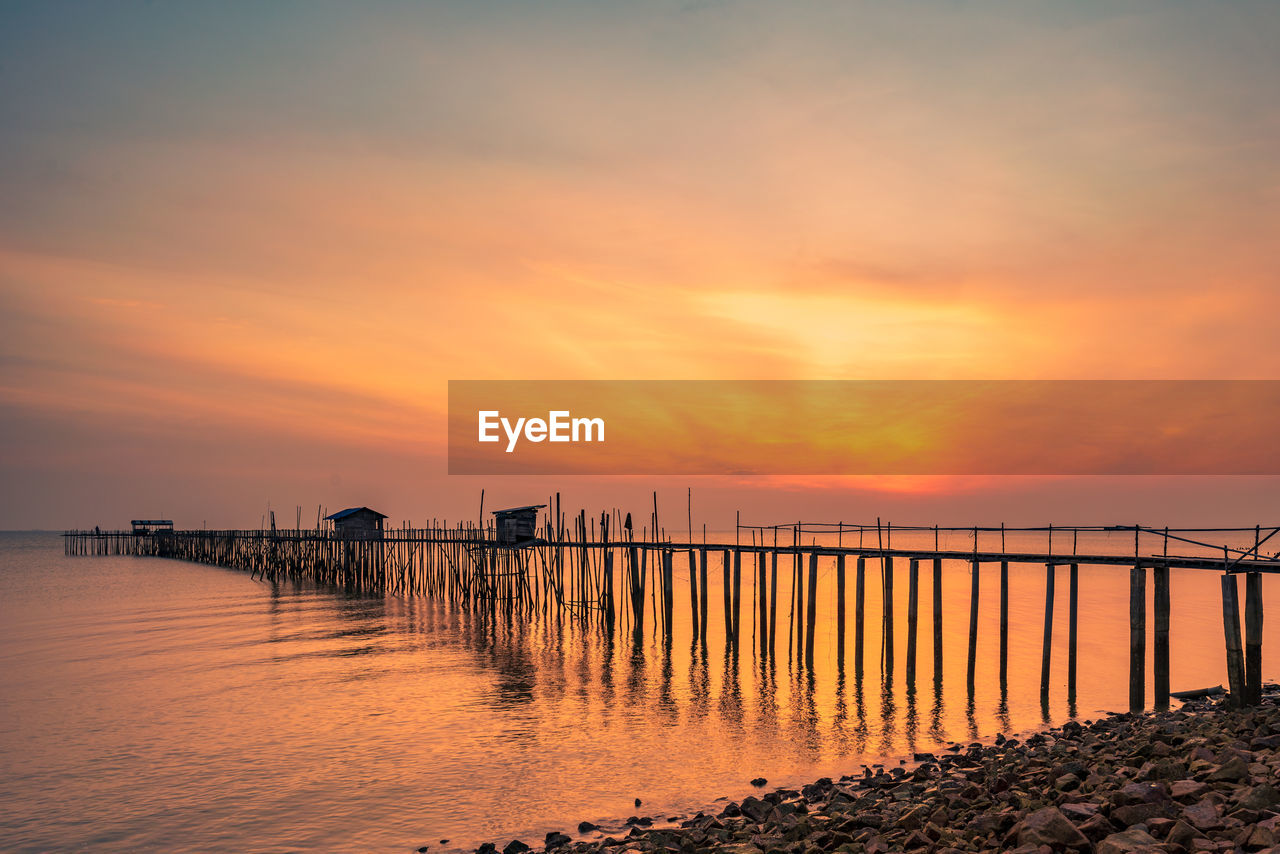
(149, 704)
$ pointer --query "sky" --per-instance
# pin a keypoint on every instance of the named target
(244, 247)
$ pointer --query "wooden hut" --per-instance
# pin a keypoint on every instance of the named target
(517, 524)
(357, 523)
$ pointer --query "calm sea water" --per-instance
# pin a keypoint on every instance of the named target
(150, 704)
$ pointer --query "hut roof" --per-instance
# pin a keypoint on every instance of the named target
(518, 509)
(351, 511)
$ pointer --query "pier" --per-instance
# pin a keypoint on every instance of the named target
(606, 571)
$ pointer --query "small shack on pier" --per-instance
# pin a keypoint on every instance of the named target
(517, 524)
(357, 523)
(147, 527)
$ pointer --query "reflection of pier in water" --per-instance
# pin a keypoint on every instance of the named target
(581, 575)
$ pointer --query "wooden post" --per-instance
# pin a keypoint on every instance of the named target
(668, 593)
(702, 592)
(1161, 604)
(773, 598)
(728, 597)
(737, 597)
(840, 610)
(913, 604)
(1137, 638)
(1253, 637)
(887, 622)
(1231, 631)
(1073, 597)
(1046, 649)
(859, 612)
(812, 618)
(764, 604)
(693, 591)
(797, 573)
(1004, 622)
(937, 619)
(973, 624)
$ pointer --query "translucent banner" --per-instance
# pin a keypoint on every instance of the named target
(866, 427)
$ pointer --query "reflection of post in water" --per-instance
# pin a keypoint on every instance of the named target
(970, 718)
(936, 731)
(1002, 709)
(911, 724)
(666, 699)
(888, 713)
(731, 689)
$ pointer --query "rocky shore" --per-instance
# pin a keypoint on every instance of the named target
(1199, 778)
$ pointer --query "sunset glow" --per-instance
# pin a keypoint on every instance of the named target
(256, 247)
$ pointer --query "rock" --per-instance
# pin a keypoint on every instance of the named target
(1203, 815)
(1181, 834)
(515, 846)
(1140, 793)
(1261, 837)
(637, 802)
(1079, 812)
(1048, 826)
(758, 782)
(1234, 769)
(1260, 797)
(755, 809)
(555, 839)
(1187, 789)
(1128, 841)
(1097, 828)
(1131, 814)
(424, 849)
(487, 848)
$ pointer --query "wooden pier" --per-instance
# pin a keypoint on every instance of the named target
(604, 571)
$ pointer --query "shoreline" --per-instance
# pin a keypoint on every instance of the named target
(1198, 778)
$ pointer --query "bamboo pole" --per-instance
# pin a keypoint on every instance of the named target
(812, 618)
(1004, 622)
(859, 613)
(973, 624)
(1161, 663)
(1046, 650)
(1253, 637)
(913, 601)
(1137, 638)
(840, 610)
(1231, 631)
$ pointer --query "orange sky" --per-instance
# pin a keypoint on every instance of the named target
(244, 249)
